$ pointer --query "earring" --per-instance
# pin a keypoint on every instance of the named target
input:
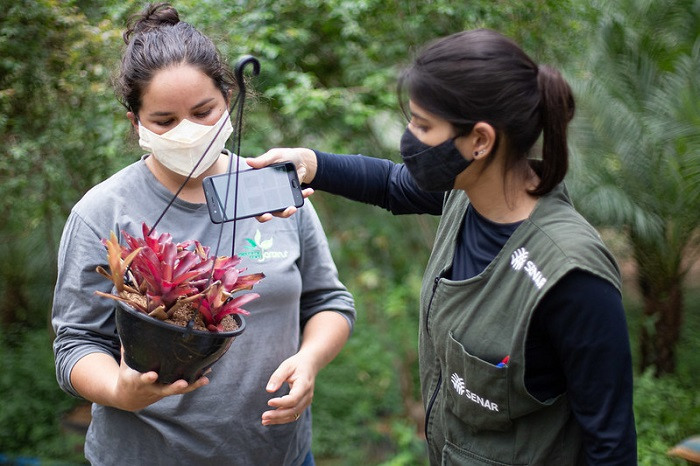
(477, 153)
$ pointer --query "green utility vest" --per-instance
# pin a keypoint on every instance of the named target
(476, 412)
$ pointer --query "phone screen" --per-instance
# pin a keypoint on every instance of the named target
(267, 189)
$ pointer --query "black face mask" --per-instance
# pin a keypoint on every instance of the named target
(434, 168)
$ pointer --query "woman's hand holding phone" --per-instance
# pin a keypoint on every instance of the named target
(305, 162)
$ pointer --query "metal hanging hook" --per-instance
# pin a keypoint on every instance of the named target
(240, 66)
(238, 105)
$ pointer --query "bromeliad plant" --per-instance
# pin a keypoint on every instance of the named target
(177, 282)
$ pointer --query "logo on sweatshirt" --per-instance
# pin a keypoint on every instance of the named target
(519, 261)
(461, 390)
(260, 250)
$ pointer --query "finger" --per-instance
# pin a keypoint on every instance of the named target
(286, 213)
(199, 383)
(273, 385)
(280, 417)
(271, 156)
(283, 411)
(283, 402)
(281, 375)
(181, 386)
(147, 377)
(299, 397)
(175, 387)
(264, 218)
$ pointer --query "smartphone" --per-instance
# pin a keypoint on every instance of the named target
(261, 190)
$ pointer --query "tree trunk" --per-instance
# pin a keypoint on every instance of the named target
(13, 298)
(663, 317)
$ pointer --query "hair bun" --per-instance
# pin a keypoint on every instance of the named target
(152, 17)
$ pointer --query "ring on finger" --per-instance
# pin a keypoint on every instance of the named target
(296, 416)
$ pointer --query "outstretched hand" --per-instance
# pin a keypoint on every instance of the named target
(303, 159)
(305, 162)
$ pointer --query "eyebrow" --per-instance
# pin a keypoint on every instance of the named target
(198, 105)
(415, 115)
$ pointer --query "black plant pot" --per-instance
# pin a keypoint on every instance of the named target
(173, 352)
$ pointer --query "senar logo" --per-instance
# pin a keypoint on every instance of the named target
(519, 261)
(461, 389)
(518, 258)
(458, 384)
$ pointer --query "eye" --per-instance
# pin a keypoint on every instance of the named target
(165, 123)
(203, 114)
(419, 127)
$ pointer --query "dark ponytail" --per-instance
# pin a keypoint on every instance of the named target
(481, 75)
(156, 39)
(557, 110)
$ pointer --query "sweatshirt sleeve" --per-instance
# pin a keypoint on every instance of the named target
(374, 181)
(322, 290)
(82, 321)
(585, 322)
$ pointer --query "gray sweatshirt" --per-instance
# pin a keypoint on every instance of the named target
(221, 422)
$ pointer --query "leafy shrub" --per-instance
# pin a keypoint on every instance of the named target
(32, 403)
(667, 409)
(666, 412)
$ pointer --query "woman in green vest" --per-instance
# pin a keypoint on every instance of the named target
(524, 351)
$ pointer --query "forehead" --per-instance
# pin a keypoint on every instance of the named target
(420, 113)
(178, 88)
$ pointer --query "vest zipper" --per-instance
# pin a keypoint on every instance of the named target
(437, 388)
(430, 405)
(430, 305)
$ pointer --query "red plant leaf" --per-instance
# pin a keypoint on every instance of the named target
(201, 250)
(167, 260)
(205, 312)
(246, 282)
(228, 278)
(234, 306)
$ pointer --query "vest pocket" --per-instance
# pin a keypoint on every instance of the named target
(476, 391)
(453, 456)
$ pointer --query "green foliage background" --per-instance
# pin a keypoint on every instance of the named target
(327, 81)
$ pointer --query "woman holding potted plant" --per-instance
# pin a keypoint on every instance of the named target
(253, 408)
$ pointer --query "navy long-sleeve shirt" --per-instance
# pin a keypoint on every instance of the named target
(578, 341)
